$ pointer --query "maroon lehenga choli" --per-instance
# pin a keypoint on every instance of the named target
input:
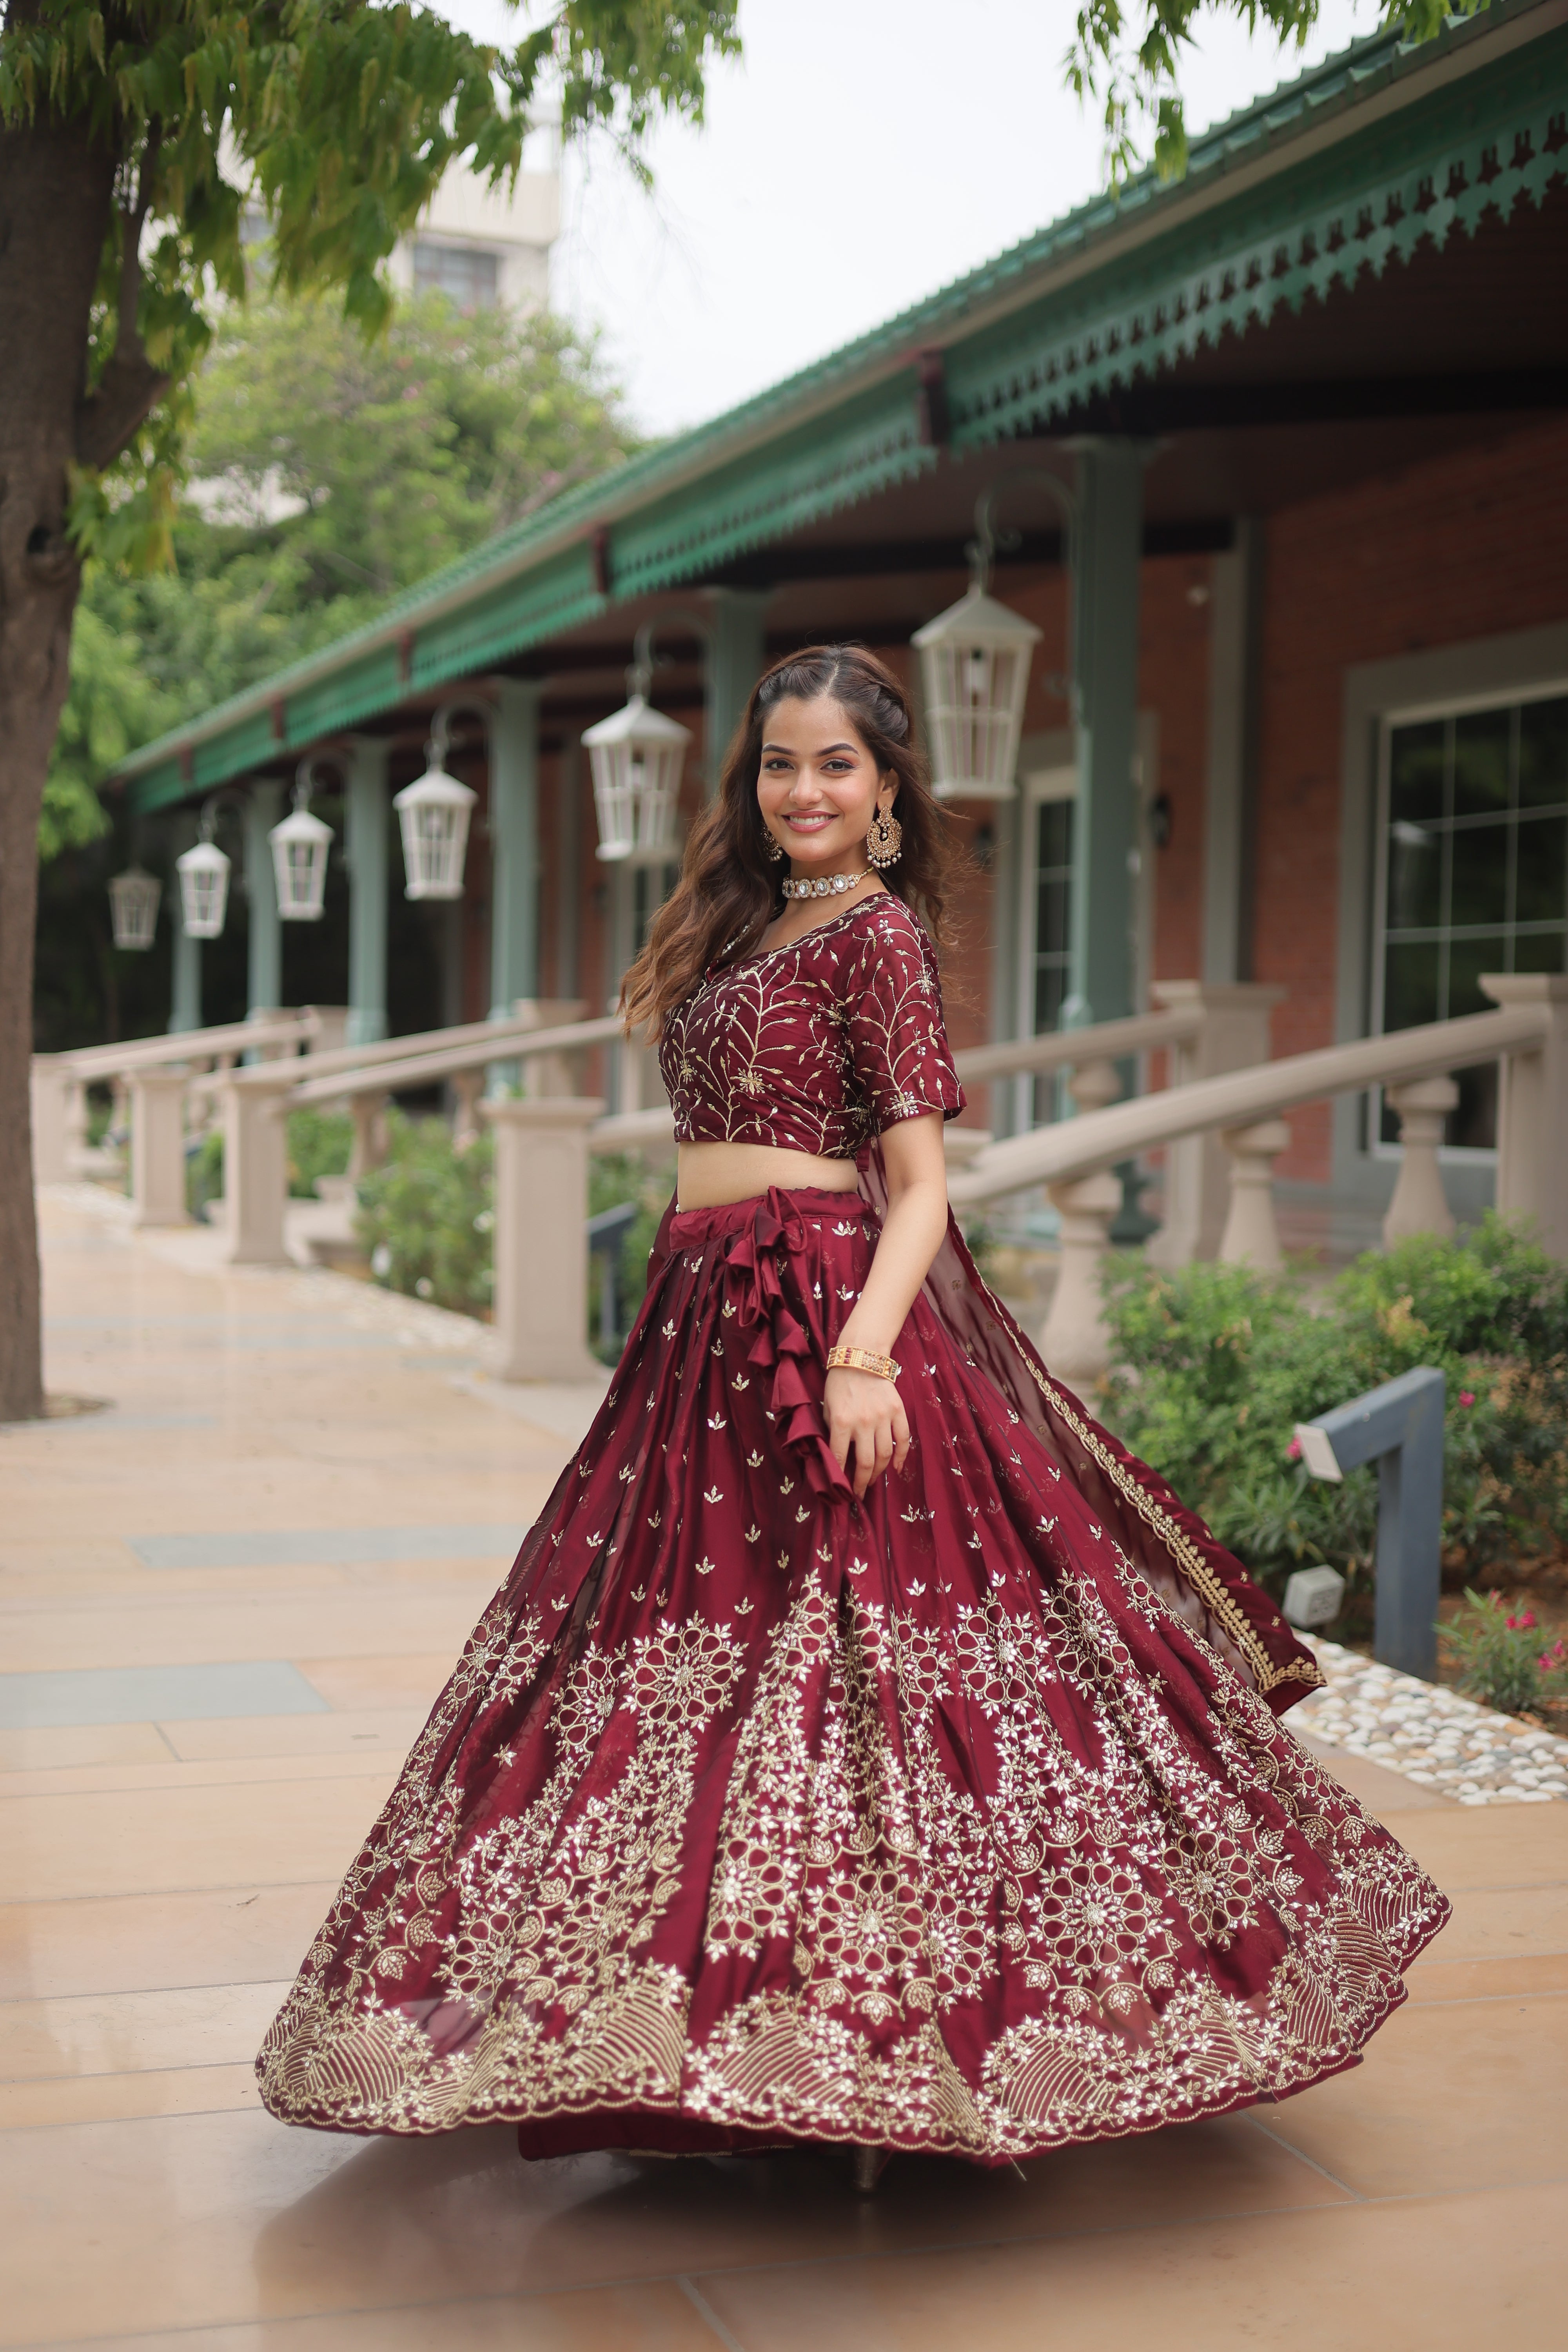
(957, 1819)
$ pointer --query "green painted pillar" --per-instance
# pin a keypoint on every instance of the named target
(186, 998)
(1105, 678)
(514, 845)
(737, 657)
(366, 850)
(264, 978)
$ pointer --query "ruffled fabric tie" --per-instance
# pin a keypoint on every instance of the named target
(780, 1345)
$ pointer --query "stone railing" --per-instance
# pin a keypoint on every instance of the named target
(152, 1079)
(1528, 1036)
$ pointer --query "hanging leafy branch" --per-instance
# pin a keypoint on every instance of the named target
(1126, 57)
(337, 118)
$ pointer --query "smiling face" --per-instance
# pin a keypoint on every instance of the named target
(819, 788)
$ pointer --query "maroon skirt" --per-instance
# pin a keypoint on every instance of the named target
(958, 1820)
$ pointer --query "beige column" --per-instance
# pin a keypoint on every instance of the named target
(1532, 1110)
(368, 1112)
(540, 1237)
(1251, 1237)
(51, 1088)
(256, 1163)
(1234, 1036)
(1419, 1205)
(158, 1147)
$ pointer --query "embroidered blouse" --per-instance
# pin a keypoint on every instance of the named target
(819, 1045)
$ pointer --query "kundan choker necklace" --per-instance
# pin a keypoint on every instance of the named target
(822, 885)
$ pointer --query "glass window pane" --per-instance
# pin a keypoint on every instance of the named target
(1541, 952)
(1415, 772)
(1414, 875)
(1542, 896)
(1468, 959)
(1051, 919)
(1472, 1123)
(1543, 754)
(1479, 891)
(1055, 834)
(1482, 761)
(1410, 990)
(1050, 989)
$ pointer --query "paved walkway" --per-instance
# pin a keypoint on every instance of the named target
(228, 1601)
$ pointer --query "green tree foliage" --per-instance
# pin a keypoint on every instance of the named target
(326, 472)
(1126, 56)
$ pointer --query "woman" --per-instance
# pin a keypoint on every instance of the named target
(864, 1747)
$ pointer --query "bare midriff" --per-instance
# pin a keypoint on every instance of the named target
(710, 1175)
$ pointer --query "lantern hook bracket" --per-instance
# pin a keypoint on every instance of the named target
(305, 777)
(644, 662)
(440, 742)
(981, 549)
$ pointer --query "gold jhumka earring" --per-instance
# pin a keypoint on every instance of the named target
(885, 841)
(771, 844)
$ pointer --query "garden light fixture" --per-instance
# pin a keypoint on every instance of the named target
(300, 845)
(974, 671)
(637, 756)
(203, 873)
(434, 816)
(133, 900)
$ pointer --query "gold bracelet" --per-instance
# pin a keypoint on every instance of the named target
(861, 1359)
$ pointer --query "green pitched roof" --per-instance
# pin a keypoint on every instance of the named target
(1350, 164)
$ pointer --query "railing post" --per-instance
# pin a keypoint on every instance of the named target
(541, 1236)
(467, 1086)
(79, 1127)
(368, 1112)
(1419, 1205)
(51, 1082)
(1234, 1035)
(1399, 1426)
(158, 1147)
(1532, 1110)
(1251, 1237)
(1075, 1342)
(255, 1164)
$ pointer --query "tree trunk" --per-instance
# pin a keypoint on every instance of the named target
(56, 191)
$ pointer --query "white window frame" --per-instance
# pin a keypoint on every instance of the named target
(1417, 714)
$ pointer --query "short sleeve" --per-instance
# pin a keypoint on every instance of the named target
(892, 1014)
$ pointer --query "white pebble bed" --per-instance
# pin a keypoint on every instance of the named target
(1432, 1736)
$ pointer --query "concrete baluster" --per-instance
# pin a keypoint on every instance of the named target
(51, 1085)
(1251, 1237)
(1234, 1036)
(158, 1147)
(1075, 1342)
(78, 1126)
(255, 1164)
(118, 1128)
(1419, 1205)
(1532, 1110)
(541, 1236)
(466, 1087)
(368, 1112)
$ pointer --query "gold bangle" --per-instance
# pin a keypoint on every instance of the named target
(862, 1360)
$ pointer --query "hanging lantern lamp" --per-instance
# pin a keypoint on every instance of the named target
(300, 845)
(203, 873)
(434, 816)
(134, 901)
(637, 757)
(975, 672)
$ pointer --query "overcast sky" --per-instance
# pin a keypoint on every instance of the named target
(862, 154)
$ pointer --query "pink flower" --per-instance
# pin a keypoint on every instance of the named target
(1293, 1451)
(1512, 1624)
(1466, 1396)
(1527, 1620)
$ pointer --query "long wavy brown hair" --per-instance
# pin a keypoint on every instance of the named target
(729, 891)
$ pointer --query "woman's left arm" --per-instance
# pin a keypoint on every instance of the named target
(863, 1411)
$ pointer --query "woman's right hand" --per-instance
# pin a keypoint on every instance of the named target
(865, 1416)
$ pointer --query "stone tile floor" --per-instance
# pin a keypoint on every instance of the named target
(229, 1536)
